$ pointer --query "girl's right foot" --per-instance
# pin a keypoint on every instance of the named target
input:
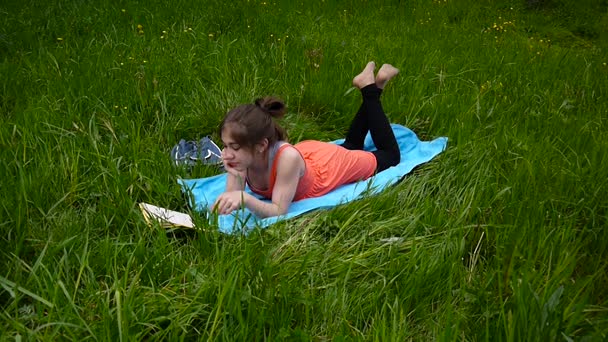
(366, 77)
(385, 73)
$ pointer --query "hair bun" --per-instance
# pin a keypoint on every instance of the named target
(273, 106)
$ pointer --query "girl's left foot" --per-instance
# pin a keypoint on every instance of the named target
(385, 73)
(366, 77)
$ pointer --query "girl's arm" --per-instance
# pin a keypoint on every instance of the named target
(235, 180)
(290, 168)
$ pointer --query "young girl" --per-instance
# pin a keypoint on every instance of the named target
(256, 153)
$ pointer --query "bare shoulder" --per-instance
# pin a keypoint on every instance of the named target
(291, 159)
(290, 153)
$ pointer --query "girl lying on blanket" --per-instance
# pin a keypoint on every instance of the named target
(256, 153)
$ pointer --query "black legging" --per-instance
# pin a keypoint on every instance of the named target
(371, 117)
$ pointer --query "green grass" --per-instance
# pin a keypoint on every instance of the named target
(502, 237)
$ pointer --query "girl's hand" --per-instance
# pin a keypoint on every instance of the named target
(241, 175)
(228, 202)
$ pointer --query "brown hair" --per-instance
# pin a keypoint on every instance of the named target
(251, 123)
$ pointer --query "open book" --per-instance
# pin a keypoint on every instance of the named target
(167, 218)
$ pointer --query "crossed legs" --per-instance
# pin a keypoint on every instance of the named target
(371, 117)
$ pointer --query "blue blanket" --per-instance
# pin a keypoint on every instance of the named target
(413, 153)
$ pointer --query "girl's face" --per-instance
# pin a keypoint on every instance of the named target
(235, 155)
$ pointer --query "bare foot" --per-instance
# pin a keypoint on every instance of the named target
(385, 73)
(366, 77)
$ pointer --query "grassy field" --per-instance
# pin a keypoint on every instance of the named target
(502, 237)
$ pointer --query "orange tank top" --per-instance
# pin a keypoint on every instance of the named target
(328, 166)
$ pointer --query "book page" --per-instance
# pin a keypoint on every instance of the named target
(166, 217)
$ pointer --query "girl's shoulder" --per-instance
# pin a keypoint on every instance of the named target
(287, 150)
(290, 157)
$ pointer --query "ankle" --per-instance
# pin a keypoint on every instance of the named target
(371, 90)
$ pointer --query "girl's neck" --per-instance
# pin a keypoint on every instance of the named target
(260, 164)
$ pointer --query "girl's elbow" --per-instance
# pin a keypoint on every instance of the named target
(281, 210)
